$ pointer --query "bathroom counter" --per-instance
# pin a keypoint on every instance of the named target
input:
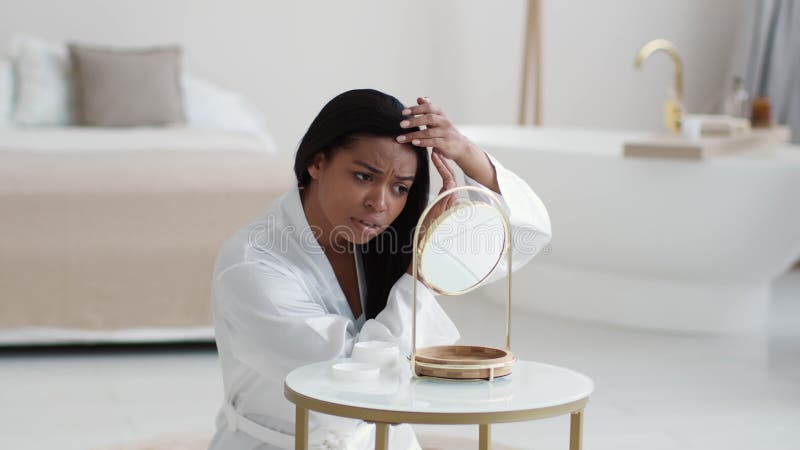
(597, 142)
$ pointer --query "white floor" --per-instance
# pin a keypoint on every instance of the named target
(654, 391)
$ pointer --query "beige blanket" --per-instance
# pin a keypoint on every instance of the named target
(123, 237)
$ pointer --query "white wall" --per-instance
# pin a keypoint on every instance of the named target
(290, 57)
(589, 48)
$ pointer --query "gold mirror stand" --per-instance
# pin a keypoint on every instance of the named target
(417, 249)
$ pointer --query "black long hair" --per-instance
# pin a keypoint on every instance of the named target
(387, 256)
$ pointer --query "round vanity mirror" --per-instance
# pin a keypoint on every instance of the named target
(462, 247)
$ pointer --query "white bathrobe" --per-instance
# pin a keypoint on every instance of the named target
(277, 305)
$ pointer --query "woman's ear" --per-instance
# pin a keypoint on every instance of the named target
(317, 165)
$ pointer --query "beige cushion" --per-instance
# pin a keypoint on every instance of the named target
(127, 87)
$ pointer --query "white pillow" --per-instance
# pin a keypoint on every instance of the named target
(44, 87)
(211, 107)
(6, 92)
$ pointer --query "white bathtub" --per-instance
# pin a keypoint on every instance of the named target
(689, 246)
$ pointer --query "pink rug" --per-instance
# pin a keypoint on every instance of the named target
(200, 442)
(170, 442)
(440, 442)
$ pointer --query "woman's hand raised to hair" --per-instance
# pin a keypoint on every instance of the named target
(447, 141)
(439, 133)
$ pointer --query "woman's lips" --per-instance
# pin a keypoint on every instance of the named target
(365, 226)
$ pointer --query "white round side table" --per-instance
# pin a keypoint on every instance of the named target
(533, 391)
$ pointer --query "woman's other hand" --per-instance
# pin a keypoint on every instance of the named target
(448, 182)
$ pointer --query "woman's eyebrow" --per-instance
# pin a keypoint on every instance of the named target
(362, 163)
(380, 172)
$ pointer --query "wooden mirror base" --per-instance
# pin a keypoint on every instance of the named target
(454, 361)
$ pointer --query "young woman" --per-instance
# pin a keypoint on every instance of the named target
(329, 264)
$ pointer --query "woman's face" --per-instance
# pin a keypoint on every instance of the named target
(362, 188)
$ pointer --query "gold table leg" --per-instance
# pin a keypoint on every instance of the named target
(576, 430)
(485, 436)
(300, 428)
(381, 436)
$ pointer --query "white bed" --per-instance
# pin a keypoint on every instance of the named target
(110, 235)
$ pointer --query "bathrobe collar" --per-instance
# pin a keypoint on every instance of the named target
(312, 257)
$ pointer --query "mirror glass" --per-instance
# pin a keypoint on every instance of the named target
(462, 247)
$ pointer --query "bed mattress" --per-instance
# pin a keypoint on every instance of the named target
(114, 232)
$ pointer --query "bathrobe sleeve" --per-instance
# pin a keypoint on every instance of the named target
(273, 323)
(527, 216)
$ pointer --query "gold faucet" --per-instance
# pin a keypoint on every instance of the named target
(673, 107)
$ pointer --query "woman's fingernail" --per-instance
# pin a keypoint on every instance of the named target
(405, 123)
(406, 112)
(401, 138)
(415, 142)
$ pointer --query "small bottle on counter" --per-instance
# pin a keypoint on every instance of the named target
(762, 115)
(737, 102)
